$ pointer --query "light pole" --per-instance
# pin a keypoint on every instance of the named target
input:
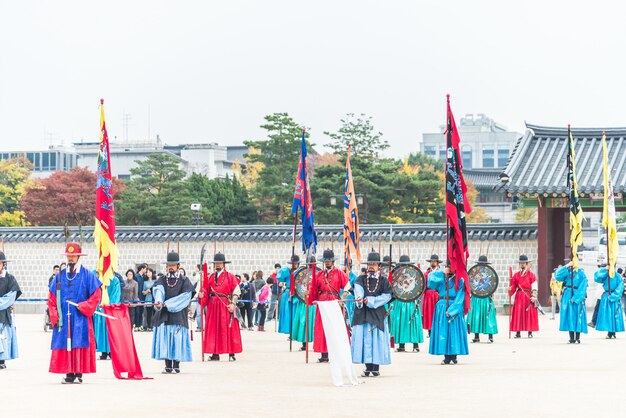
(361, 200)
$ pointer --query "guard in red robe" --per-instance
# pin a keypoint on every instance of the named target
(525, 316)
(326, 285)
(73, 340)
(220, 292)
(430, 296)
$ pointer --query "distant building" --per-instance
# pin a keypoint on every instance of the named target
(484, 143)
(497, 205)
(210, 159)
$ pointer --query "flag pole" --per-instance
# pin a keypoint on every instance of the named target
(445, 172)
(606, 199)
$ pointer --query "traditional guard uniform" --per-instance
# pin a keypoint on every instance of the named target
(285, 277)
(430, 296)
(172, 295)
(573, 314)
(406, 319)
(370, 331)
(114, 291)
(525, 315)
(610, 315)
(298, 332)
(220, 293)
(9, 292)
(481, 317)
(73, 341)
(326, 285)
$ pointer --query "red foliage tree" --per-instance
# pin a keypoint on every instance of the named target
(64, 198)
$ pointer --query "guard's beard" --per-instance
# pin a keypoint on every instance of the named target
(172, 272)
(218, 270)
(329, 267)
(371, 272)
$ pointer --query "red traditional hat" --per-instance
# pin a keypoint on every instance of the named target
(73, 248)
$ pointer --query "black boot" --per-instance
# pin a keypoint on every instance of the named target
(214, 357)
(401, 348)
(446, 359)
(176, 366)
(490, 338)
(578, 338)
(231, 357)
(530, 334)
(303, 348)
(168, 367)
(375, 370)
(368, 370)
(518, 335)
(453, 359)
(572, 340)
(323, 358)
(68, 379)
(79, 378)
(416, 347)
(428, 333)
(476, 338)
(2, 365)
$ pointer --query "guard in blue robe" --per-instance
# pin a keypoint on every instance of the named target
(573, 314)
(9, 292)
(172, 296)
(610, 314)
(370, 330)
(449, 333)
(285, 277)
(114, 291)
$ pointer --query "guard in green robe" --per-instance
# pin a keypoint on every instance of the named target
(481, 318)
(406, 319)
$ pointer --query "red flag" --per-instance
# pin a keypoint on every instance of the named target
(123, 353)
(457, 206)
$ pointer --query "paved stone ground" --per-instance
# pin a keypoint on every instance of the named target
(527, 378)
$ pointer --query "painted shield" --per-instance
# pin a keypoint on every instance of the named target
(383, 270)
(483, 280)
(408, 282)
(302, 277)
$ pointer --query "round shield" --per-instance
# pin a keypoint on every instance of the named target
(302, 277)
(408, 282)
(383, 270)
(483, 280)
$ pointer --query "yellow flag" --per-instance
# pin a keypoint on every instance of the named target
(608, 214)
(575, 211)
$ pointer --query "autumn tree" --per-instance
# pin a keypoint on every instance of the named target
(65, 198)
(14, 179)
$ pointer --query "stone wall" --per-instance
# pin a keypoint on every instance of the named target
(31, 262)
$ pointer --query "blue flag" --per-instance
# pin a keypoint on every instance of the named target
(302, 200)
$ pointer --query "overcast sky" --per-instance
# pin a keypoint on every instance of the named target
(210, 70)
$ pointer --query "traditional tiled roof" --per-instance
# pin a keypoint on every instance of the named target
(538, 163)
(482, 178)
(405, 232)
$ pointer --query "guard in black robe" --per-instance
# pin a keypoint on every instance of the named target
(9, 292)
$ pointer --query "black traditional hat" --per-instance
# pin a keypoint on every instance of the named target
(523, 259)
(404, 259)
(373, 257)
(3, 258)
(483, 260)
(434, 257)
(329, 255)
(220, 258)
(311, 260)
(295, 259)
(172, 258)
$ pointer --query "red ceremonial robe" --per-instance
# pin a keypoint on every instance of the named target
(78, 360)
(524, 316)
(221, 331)
(431, 297)
(326, 285)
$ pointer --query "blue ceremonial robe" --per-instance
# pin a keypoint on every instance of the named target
(76, 290)
(449, 333)
(171, 342)
(286, 306)
(610, 315)
(370, 344)
(8, 337)
(350, 305)
(573, 316)
(99, 322)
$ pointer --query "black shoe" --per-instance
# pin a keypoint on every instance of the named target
(167, 370)
(214, 357)
(68, 379)
(577, 341)
(518, 335)
(476, 340)
(416, 348)
(3, 366)
(104, 356)
(302, 348)
(445, 362)
(454, 361)
(78, 380)
(365, 373)
(400, 350)
(490, 338)
(591, 324)
(571, 341)
(322, 360)
(530, 335)
(231, 357)
(375, 374)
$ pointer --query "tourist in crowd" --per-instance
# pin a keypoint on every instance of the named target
(55, 271)
(129, 292)
(139, 278)
(271, 313)
(258, 285)
(248, 293)
(264, 296)
(148, 283)
(194, 312)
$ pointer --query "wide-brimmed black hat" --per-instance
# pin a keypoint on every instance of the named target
(434, 257)
(523, 259)
(220, 258)
(311, 260)
(3, 258)
(373, 257)
(172, 258)
(404, 259)
(483, 260)
(328, 255)
(295, 259)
